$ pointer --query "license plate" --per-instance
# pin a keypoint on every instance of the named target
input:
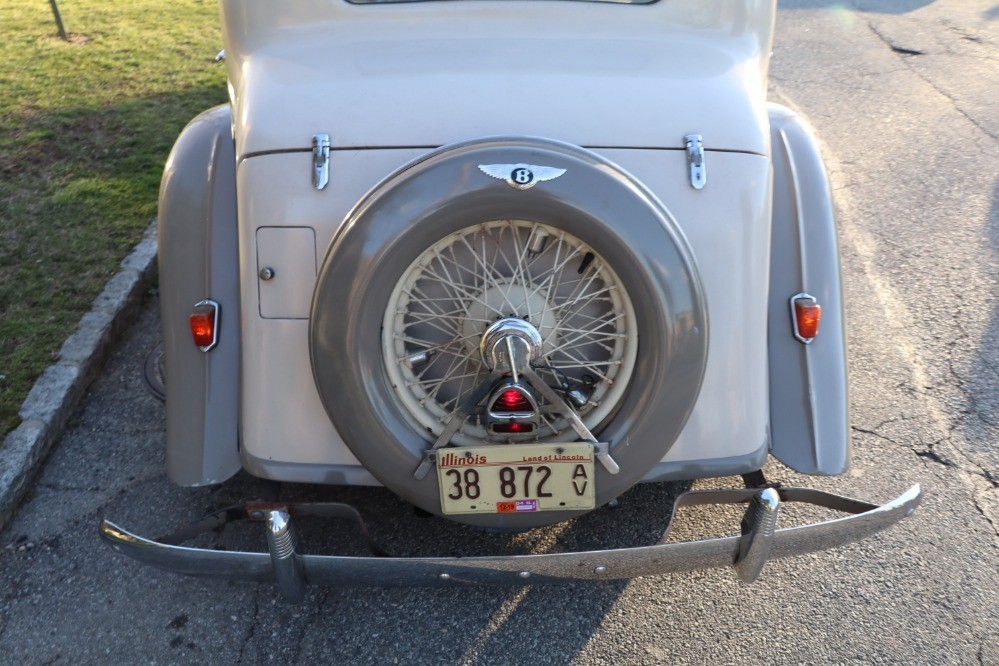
(516, 478)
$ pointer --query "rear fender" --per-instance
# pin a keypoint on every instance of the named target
(198, 260)
(809, 417)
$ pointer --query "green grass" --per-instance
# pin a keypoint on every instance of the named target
(85, 128)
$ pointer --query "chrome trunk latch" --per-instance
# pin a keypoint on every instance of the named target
(320, 160)
(695, 160)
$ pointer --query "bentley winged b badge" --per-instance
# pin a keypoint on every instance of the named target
(521, 176)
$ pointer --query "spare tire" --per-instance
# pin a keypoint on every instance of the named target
(441, 249)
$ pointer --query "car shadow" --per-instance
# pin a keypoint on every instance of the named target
(870, 6)
(979, 419)
(494, 624)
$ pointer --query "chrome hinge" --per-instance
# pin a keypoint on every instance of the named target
(695, 160)
(320, 160)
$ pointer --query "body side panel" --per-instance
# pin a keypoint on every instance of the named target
(808, 387)
(198, 260)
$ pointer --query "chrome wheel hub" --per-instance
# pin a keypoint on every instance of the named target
(522, 302)
(510, 345)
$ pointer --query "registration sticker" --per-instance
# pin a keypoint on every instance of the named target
(515, 507)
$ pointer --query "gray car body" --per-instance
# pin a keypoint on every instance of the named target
(199, 259)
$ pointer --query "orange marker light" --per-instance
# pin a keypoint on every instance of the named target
(807, 314)
(204, 325)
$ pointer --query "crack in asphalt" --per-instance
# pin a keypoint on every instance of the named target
(890, 43)
(965, 468)
(966, 388)
(54, 487)
(960, 32)
(905, 51)
(907, 54)
(970, 37)
(253, 625)
(985, 514)
(983, 486)
(307, 626)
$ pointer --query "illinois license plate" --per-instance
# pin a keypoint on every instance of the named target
(516, 478)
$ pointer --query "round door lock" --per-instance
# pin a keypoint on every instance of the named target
(267, 273)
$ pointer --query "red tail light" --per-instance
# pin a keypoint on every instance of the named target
(512, 400)
(204, 322)
(514, 427)
(512, 410)
(807, 313)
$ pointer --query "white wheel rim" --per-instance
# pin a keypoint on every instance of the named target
(454, 290)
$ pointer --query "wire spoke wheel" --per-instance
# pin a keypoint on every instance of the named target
(453, 291)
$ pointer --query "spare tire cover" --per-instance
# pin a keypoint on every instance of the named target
(446, 192)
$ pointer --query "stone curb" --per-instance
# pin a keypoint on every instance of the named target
(56, 394)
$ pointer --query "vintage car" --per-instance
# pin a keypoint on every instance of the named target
(507, 259)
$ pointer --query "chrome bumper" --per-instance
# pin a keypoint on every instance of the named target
(758, 542)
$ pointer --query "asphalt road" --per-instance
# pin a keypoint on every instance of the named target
(903, 95)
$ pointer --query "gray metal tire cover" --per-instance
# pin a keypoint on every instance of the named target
(446, 192)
